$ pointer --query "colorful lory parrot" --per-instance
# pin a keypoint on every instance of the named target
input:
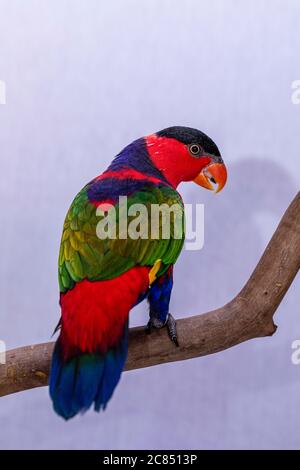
(101, 280)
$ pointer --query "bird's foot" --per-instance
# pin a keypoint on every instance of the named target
(170, 324)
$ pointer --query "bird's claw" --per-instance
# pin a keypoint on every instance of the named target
(172, 330)
(148, 328)
(170, 324)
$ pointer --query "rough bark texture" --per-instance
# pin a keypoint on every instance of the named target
(248, 315)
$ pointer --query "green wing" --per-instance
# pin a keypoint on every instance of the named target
(85, 256)
(146, 251)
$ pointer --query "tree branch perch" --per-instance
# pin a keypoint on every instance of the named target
(249, 315)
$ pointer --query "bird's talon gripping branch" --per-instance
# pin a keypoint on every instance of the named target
(148, 328)
(154, 323)
(170, 324)
(172, 330)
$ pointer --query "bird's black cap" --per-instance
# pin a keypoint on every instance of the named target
(188, 135)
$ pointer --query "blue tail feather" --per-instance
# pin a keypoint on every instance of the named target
(86, 379)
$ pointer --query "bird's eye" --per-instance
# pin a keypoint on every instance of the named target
(195, 150)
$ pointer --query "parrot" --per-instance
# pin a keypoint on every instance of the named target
(102, 279)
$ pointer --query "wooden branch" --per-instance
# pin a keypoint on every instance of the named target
(248, 315)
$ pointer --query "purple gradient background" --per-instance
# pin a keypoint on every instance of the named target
(83, 80)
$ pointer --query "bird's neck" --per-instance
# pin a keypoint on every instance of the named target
(135, 160)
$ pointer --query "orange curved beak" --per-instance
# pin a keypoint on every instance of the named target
(215, 173)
